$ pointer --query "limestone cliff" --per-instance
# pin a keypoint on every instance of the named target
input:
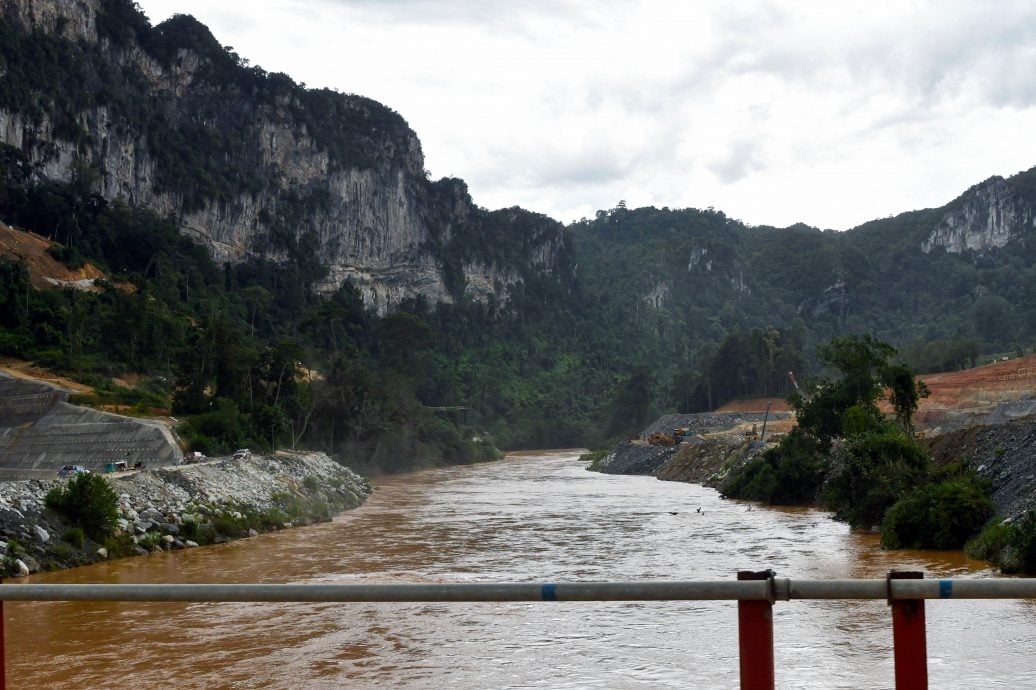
(986, 217)
(249, 163)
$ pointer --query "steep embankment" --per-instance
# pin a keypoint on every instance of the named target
(989, 394)
(180, 507)
(714, 440)
(1005, 454)
(40, 432)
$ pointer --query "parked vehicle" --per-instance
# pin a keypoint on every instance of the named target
(242, 454)
(193, 457)
(72, 470)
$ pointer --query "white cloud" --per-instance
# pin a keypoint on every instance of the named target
(775, 112)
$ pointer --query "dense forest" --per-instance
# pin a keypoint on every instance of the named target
(644, 310)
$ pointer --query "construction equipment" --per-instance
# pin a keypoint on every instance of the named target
(661, 439)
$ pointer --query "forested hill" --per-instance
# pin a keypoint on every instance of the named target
(250, 163)
(941, 284)
(283, 273)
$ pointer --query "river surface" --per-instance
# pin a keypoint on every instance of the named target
(527, 518)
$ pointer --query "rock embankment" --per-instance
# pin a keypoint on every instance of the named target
(710, 422)
(1005, 454)
(634, 458)
(708, 463)
(179, 507)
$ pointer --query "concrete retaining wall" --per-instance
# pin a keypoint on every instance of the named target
(40, 432)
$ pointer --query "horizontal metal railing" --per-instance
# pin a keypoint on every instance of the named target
(755, 593)
(774, 589)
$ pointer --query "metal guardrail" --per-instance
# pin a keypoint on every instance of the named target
(770, 589)
(755, 592)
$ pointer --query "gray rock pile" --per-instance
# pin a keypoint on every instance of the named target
(180, 507)
(1005, 454)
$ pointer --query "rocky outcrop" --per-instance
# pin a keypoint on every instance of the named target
(180, 507)
(986, 217)
(249, 163)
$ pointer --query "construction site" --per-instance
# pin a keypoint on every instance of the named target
(41, 432)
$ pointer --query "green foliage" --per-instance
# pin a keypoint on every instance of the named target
(878, 473)
(790, 474)
(1011, 546)
(150, 541)
(75, 536)
(89, 502)
(878, 468)
(942, 515)
(594, 458)
(120, 546)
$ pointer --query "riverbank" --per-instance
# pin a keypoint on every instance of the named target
(179, 507)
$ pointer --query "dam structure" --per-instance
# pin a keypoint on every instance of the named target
(40, 432)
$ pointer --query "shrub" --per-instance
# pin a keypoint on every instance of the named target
(937, 516)
(120, 546)
(89, 502)
(61, 551)
(75, 536)
(150, 541)
(790, 474)
(311, 483)
(1010, 546)
(990, 542)
(879, 468)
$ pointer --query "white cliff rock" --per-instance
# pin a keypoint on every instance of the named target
(987, 217)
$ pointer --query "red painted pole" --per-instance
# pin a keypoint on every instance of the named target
(908, 637)
(755, 637)
(3, 664)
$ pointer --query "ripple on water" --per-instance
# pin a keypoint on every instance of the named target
(536, 518)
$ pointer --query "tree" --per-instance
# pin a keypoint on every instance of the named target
(89, 501)
(632, 406)
(866, 371)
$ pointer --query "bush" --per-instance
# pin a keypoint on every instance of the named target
(790, 474)
(150, 541)
(937, 516)
(120, 546)
(880, 466)
(1009, 546)
(75, 536)
(89, 502)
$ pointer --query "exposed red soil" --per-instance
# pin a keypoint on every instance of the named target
(32, 249)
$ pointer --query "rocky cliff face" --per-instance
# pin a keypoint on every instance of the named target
(248, 162)
(986, 217)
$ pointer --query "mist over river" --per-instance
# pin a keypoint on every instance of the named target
(531, 517)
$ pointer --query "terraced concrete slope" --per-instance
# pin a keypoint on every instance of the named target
(40, 432)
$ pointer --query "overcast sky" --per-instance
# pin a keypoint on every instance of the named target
(828, 113)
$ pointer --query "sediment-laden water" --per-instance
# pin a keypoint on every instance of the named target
(528, 518)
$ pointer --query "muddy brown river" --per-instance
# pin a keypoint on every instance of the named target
(527, 518)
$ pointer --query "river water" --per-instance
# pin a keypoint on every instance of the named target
(536, 517)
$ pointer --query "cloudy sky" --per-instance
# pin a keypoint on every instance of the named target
(775, 112)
